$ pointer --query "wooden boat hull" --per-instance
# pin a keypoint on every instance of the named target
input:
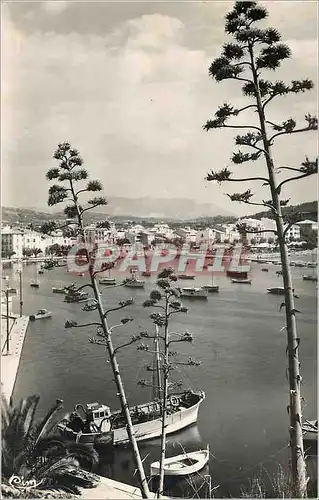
(153, 429)
(310, 278)
(241, 281)
(110, 282)
(176, 466)
(34, 317)
(193, 297)
(211, 288)
(237, 274)
(134, 285)
(276, 291)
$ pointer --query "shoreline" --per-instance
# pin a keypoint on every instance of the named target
(10, 362)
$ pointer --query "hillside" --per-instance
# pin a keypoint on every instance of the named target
(309, 210)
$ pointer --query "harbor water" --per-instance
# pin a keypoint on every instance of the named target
(238, 338)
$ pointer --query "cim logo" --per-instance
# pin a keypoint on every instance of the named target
(24, 484)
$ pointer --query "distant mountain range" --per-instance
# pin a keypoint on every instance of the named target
(147, 209)
(159, 208)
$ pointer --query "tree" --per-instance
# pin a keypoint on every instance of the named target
(311, 238)
(31, 452)
(167, 301)
(26, 252)
(253, 51)
(54, 249)
(69, 173)
(36, 251)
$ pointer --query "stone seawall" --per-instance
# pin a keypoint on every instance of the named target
(10, 362)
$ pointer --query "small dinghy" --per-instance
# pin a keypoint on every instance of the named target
(182, 465)
(41, 314)
(34, 284)
(58, 290)
(241, 281)
(276, 290)
(107, 281)
(194, 293)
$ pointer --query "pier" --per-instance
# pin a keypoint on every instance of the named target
(109, 489)
(10, 361)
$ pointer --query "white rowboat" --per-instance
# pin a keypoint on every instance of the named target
(182, 465)
(41, 314)
(194, 293)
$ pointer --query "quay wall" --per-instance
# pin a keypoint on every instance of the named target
(109, 489)
(10, 362)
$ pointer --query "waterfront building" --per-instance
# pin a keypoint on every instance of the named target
(95, 234)
(187, 234)
(205, 236)
(307, 226)
(231, 233)
(293, 233)
(162, 230)
(33, 240)
(11, 242)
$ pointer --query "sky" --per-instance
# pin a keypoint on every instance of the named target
(127, 84)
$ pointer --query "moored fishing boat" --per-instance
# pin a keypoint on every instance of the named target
(90, 422)
(76, 298)
(58, 289)
(186, 276)
(237, 274)
(276, 290)
(211, 288)
(182, 465)
(107, 281)
(96, 423)
(194, 293)
(309, 277)
(34, 284)
(242, 281)
(134, 281)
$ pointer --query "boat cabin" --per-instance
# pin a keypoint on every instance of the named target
(98, 412)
